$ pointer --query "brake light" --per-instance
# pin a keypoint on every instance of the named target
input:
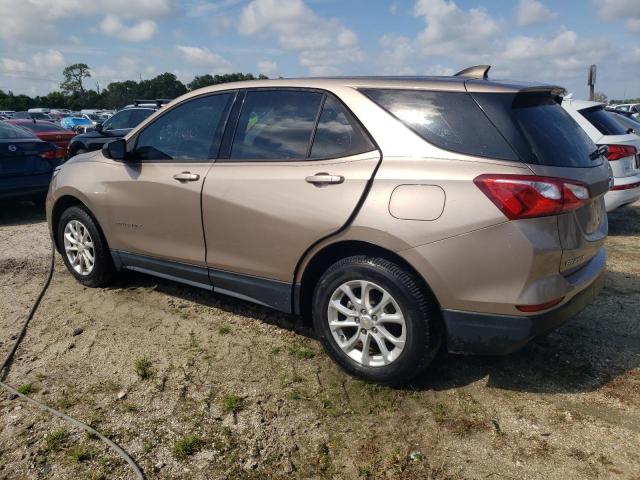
(56, 154)
(530, 196)
(628, 186)
(539, 307)
(616, 152)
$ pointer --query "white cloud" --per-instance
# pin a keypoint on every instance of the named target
(142, 31)
(268, 68)
(204, 58)
(323, 45)
(397, 55)
(46, 65)
(450, 29)
(628, 10)
(34, 21)
(530, 12)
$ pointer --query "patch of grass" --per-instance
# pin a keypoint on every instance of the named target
(294, 395)
(232, 403)
(224, 329)
(301, 352)
(81, 454)
(55, 440)
(188, 445)
(275, 350)
(142, 367)
(25, 388)
(147, 447)
(439, 412)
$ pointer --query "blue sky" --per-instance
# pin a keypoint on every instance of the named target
(130, 39)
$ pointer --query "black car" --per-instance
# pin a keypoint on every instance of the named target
(26, 163)
(117, 126)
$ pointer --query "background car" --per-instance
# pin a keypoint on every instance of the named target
(26, 164)
(117, 126)
(72, 122)
(32, 115)
(633, 108)
(623, 148)
(47, 131)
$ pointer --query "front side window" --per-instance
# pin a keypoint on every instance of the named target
(337, 135)
(190, 131)
(137, 116)
(275, 125)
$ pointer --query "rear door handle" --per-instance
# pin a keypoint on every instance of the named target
(320, 179)
(186, 177)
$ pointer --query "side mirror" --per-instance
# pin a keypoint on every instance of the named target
(115, 150)
(98, 127)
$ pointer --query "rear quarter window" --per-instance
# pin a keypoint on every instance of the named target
(450, 120)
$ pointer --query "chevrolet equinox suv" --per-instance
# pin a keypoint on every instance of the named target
(399, 214)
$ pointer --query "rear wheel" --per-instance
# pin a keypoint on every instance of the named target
(84, 250)
(375, 321)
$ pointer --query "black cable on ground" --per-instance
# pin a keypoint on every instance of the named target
(4, 370)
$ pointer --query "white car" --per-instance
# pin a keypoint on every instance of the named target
(623, 147)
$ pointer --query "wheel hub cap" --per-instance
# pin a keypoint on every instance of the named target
(78, 246)
(366, 322)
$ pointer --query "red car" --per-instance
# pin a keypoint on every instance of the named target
(47, 131)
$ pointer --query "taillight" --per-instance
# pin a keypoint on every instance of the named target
(616, 152)
(539, 307)
(530, 196)
(56, 154)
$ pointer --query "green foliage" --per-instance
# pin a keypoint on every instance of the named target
(81, 454)
(232, 404)
(56, 439)
(301, 352)
(142, 367)
(224, 329)
(75, 96)
(188, 445)
(25, 389)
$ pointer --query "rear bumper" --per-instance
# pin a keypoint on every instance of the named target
(617, 198)
(487, 334)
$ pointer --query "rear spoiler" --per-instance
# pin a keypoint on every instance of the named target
(158, 102)
(478, 81)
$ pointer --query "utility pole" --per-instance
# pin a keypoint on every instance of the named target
(591, 81)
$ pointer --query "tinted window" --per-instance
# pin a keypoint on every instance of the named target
(539, 129)
(275, 125)
(627, 122)
(190, 131)
(138, 115)
(450, 120)
(603, 121)
(337, 135)
(9, 131)
(118, 121)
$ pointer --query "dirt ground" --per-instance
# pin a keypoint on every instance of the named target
(195, 385)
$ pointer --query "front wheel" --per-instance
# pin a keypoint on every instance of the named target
(84, 250)
(375, 320)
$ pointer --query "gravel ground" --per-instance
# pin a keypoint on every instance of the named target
(196, 385)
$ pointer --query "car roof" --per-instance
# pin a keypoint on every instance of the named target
(453, 83)
(581, 104)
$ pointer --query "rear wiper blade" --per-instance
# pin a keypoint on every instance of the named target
(601, 151)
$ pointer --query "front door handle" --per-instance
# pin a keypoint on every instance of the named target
(186, 177)
(320, 179)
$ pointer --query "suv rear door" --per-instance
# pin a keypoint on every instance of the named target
(552, 144)
(292, 173)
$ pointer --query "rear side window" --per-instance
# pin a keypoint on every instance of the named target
(539, 129)
(337, 134)
(602, 120)
(191, 131)
(450, 120)
(276, 125)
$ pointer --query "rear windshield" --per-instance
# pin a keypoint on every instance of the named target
(603, 121)
(8, 131)
(539, 129)
(450, 120)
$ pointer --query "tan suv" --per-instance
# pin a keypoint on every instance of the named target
(398, 213)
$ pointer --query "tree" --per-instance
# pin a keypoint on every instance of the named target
(73, 76)
(205, 80)
(600, 97)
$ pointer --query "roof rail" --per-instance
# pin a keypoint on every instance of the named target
(158, 102)
(480, 72)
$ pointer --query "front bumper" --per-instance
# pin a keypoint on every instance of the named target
(487, 334)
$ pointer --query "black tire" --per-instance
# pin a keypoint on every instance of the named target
(421, 315)
(103, 269)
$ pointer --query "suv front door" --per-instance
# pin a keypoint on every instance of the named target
(154, 208)
(294, 173)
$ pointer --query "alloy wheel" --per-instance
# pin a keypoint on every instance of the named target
(78, 246)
